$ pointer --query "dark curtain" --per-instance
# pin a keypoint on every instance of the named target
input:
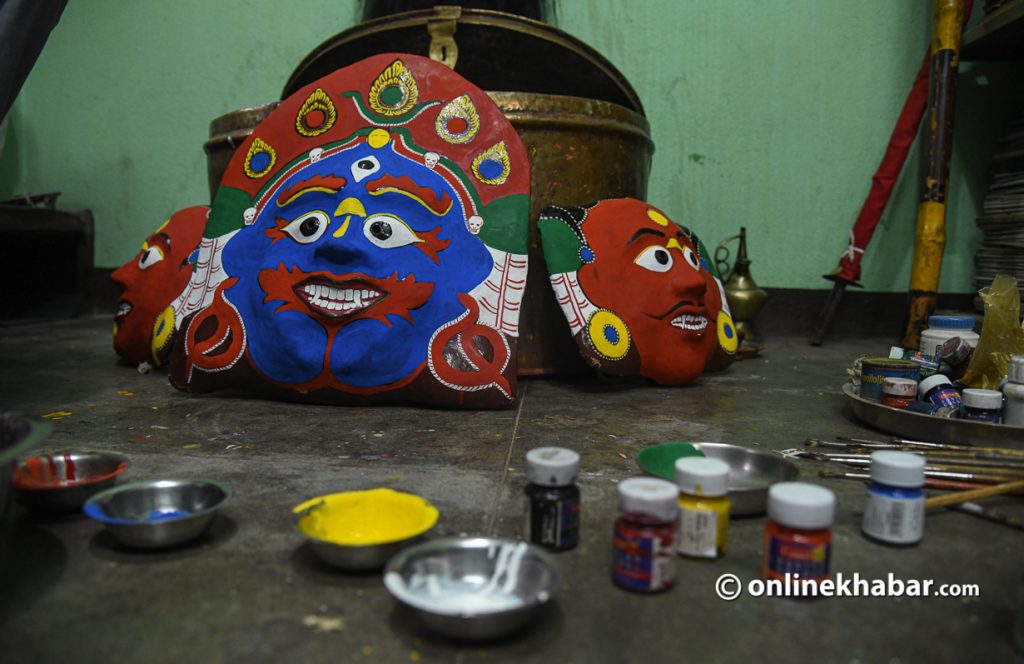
(24, 27)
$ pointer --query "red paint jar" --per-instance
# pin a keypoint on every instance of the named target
(798, 537)
(643, 542)
(898, 392)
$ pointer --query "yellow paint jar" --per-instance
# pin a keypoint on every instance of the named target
(703, 506)
(362, 518)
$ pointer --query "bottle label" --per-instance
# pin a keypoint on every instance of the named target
(896, 520)
(642, 560)
(784, 556)
(698, 533)
(553, 523)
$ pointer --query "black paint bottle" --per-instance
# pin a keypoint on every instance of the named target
(552, 498)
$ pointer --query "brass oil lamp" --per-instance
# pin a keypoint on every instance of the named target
(745, 297)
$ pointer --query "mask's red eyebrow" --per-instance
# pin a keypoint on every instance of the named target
(406, 186)
(329, 184)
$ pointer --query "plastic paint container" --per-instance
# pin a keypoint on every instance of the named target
(1013, 410)
(894, 506)
(898, 392)
(939, 390)
(703, 506)
(956, 354)
(941, 328)
(982, 405)
(552, 498)
(798, 536)
(643, 541)
(874, 371)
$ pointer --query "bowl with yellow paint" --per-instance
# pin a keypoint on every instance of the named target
(361, 530)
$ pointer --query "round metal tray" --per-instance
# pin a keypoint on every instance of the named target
(918, 426)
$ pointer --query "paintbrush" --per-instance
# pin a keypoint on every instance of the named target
(930, 481)
(974, 509)
(973, 494)
(851, 444)
(958, 464)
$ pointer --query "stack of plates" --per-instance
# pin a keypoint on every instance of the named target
(1002, 219)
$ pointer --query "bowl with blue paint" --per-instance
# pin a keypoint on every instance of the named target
(159, 513)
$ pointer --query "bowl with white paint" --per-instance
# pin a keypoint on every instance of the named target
(473, 588)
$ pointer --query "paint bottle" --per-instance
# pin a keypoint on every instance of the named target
(552, 498)
(982, 405)
(1013, 410)
(894, 507)
(644, 535)
(955, 354)
(939, 390)
(703, 506)
(797, 537)
(898, 392)
(941, 328)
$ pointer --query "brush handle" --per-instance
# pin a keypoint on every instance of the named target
(964, 496)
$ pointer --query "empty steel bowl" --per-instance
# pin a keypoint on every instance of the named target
(362, 530)
(751, 472)
(159, 513)
(473, 588)
(62, 481)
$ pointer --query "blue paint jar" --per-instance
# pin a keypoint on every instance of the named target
(894, 507)
(939, 390)
(982, 405)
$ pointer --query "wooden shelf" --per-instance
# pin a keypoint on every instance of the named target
(999, 35)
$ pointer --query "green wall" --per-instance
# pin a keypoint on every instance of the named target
(770, 114)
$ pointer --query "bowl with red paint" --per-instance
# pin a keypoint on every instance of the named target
(63, 481)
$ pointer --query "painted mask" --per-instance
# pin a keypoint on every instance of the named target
(367, 244)
(639, 291)
(150, 282)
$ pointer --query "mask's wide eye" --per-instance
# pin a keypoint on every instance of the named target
(655, 259)
(150, 257)
(388, 232)
(309, 227)
(691, 258)
(365, 167)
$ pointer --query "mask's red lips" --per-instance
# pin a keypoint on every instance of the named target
(338, 299)
(690, 317)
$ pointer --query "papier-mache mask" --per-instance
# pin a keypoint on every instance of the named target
(640, 292)
(367, 244)
(150, 282)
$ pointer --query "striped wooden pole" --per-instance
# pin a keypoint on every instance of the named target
(930, 234)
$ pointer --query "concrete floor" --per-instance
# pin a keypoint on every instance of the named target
(246, 591)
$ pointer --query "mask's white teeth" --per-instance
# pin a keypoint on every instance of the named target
(690, 322)
(345, 300)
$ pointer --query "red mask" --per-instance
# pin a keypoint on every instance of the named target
(151, 281)
(653, 305)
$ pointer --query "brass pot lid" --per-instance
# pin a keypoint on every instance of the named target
(496, 51)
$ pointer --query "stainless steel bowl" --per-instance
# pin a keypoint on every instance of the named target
(751, 472)
(159, 513)
(473, 588)
(18, 434)
(62, 481)
(340, 508)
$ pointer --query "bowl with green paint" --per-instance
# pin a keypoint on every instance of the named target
(751, 472)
